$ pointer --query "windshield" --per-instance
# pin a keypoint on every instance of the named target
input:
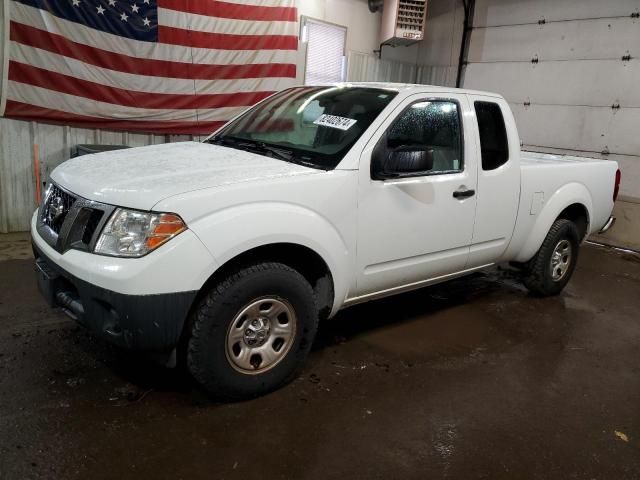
(314, 126)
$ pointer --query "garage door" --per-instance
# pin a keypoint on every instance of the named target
(570, 71)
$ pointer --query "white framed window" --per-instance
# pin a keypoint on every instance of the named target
(326, 60)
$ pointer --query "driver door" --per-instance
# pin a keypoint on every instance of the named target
(416, 225)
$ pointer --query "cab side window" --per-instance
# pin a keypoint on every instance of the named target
(433, 127)
(493, 135)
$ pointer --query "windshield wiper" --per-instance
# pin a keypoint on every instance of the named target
(270, 151)
(219, 140)
(256, 147)
(276, 152)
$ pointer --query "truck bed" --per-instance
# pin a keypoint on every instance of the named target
(533, 158)
(547, 178)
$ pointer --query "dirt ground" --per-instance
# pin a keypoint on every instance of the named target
(473, 379)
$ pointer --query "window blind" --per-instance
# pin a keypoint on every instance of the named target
(325, 53)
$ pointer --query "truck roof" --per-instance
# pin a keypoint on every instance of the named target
(415, 88)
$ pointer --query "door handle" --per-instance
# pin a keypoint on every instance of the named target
(464, 193)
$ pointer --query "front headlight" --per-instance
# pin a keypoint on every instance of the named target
(130, 233)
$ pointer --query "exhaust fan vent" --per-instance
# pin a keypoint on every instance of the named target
(403, 21)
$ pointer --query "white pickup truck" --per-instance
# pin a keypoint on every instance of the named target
(227, 253)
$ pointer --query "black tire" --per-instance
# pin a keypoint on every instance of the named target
(538, 276)
(207, 352)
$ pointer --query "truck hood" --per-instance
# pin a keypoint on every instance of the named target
(141, 177)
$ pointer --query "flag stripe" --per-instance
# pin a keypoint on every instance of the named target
(265, 3)
(39, 77)
(192, 38)
(202, 23)
(34, 37)
(77, 33)
(232, 10)
(25, 111)
(43, 97)
(69, 66)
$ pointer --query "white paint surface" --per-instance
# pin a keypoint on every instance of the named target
(141, 177)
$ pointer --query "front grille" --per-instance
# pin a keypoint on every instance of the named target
(67, 221)
(56, 207)
(91, 226)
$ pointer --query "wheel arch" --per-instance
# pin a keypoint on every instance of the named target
(572, 202)
(310, 264)
(579, 215)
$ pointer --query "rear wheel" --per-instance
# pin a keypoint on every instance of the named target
(552, 267)
(252, 332)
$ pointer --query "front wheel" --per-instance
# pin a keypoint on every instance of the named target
(251, 334)
(550, 270)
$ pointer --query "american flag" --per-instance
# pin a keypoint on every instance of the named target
(164, 66)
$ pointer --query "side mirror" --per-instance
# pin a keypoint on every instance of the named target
(403, 161)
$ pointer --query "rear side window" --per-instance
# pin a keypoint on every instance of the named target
(493, 135)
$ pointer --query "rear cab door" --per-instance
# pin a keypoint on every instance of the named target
(499, 172)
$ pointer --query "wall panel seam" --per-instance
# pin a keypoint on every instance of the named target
(546, 22)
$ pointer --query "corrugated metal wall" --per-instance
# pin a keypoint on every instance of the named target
(368, 68)
(17, 177)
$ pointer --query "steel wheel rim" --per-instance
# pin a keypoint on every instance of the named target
(260, 335)
(561, 260)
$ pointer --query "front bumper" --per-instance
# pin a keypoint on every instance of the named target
(137, 322)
